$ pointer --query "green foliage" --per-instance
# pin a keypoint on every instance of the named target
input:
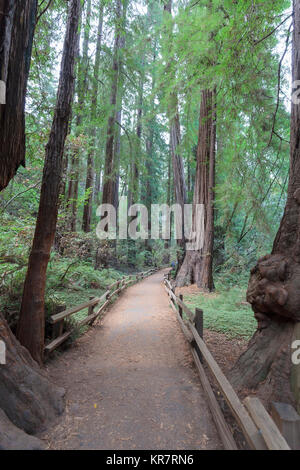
(225, 310)
(234, 47)
(69, 280)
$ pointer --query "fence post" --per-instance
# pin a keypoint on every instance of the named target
(172, 298)
(58, 329)
(91, 308)
(288, 422)
(179, 306)
(199, 327)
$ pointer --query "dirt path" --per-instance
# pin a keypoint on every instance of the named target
(131, 383)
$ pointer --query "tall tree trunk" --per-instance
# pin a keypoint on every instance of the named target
(117, 153)
(31, 326)
(177, 162)
(110, 173)
(27, 397)
(197, 265)
(274, 285)
(133, 193)
(90, 176)
(135, 167)
(73, 190)
(150, 154)
(82, 80)
(167, 243)
(98, 181)
(117, 138)
(17, 22)
(108, 195)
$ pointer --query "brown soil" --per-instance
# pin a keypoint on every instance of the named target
(225, 350)
(131, 382)
(192, 289)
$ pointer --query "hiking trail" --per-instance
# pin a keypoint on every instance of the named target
(131, 383)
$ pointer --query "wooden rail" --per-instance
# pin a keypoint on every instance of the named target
(256, 424)
(58, 320)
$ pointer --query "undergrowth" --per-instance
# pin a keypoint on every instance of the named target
(225, 310)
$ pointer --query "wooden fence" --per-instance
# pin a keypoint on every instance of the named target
(260, 431)
(58, 320)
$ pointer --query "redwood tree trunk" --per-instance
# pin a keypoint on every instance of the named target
(27, 397)
(31, 326)
(117, 154)
(73, 190)
(197, 265)
(118, 121)
(17, 22)
(274, 286)
(149, 177)
(108, 196)
(87, 210)
(177, 162)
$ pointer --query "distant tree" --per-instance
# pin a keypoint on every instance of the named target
(90, 173)
(109, 177)
(82, 82)
(197, 264)
(175, 141)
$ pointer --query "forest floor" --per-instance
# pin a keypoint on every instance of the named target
(226, 310)
(131, 382)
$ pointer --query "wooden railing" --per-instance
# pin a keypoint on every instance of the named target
(256, 424)
(58, 320)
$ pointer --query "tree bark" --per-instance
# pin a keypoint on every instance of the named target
(87, 210)
(13, 438)
(117, 154)
(177, 162)
(27, 397)
(135, 168)
(197, 265)
(147, 187)
(17, 23)
(118, 121)
(73, 190)
(108, 196)
(274, 284)
(82, 78)
(31, 326)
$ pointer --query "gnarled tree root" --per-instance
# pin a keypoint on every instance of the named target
(13, 438)
(265, 366)
(27, 396)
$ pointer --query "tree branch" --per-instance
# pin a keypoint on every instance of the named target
(44, 11)
(19, 194)
(273, 31)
